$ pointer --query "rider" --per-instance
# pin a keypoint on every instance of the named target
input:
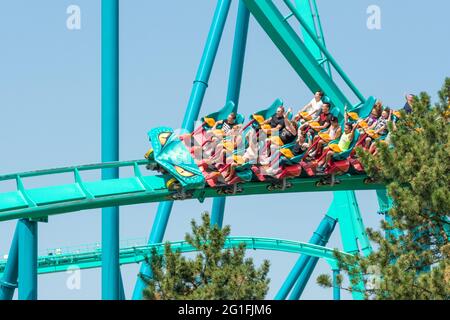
(332, 133)
(312, 109)
(228, 124)
(343, 145)
(276, 122)
(380, 127)
(323, 121)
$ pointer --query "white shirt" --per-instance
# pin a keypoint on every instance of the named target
(314, 107)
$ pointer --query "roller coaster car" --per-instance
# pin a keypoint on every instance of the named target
(170, 154)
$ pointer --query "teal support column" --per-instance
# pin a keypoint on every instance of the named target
(191, 115)
(308, 270)
(28, 256)
(121, 289)
(110, 145)
(8, 283)
(234, 88)
(336, 286)
(385, 203)
(321, 235)
(303, 279)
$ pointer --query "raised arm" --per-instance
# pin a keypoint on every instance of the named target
(288, 123)
(345, 114)
(352, 134)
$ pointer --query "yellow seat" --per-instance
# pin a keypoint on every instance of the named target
(238, 159)
(372, 134)
(148, 153)
(315, 124)
(397, 114)
(287, 153)
(258, 118)
(363, 124)
(305, 116)
(277, 140)
(228, 145)
(335, 148)
(266, 126)
(325, 136)
(210, 121)
(353, 115)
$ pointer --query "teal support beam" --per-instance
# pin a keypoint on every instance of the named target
(324, 230)
(296, 52)
(122, 295)
(311, 263)
(336, 286)
(110, 144)
(238, 55)
(309, 12)
(28, 257)
(353, 232)
(303, 279)
(8, 282)
(193, 109)
(206, 64)
(234, 88)
(384, 204)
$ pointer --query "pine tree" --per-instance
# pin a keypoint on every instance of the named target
(412, 256)
(215, 273)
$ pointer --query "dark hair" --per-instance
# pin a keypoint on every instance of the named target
(348, 124)
(326, 104)
(333, 119)
(320, 93)
(233, 115)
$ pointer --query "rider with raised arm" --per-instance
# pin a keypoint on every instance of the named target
(343, 145)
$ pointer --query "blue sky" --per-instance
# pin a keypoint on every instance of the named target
(50, 106)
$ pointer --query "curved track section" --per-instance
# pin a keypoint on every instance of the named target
(92, 258)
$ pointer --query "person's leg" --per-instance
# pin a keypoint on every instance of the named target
(328, 157)
(328, 154)
(231, 172)
(368, 141)
(217, 158)
(373, 148)
(319, 147)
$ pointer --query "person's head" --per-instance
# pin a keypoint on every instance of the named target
(280, 111)
(410, 98)
(385, 113)
(231, 117)
(318, 95)
(348, 127)
(326, 108)
(377, 108)
(334, 121)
